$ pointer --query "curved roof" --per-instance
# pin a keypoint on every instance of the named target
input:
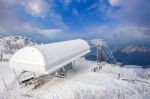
(47, 58)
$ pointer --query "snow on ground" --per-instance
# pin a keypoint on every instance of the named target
(6, 75)
(83, 83)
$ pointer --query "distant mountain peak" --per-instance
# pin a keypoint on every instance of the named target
(135, 48)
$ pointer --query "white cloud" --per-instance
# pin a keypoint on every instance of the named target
(50, 32)
(132, 12)
(36, 7)
(11, 23)
(45, 9)
(75, 12)
(115, 2)
(67, 2)
(9, 19)
(93, 6)
(57, 20)
(121, 33)
(31, 28)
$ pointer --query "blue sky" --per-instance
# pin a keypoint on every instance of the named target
(116, 21)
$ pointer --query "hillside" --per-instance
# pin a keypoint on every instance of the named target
(111, 82)
(83, 83)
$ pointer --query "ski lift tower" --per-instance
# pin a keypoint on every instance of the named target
(99, 43)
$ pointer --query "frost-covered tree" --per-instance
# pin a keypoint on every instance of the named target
(13, 43)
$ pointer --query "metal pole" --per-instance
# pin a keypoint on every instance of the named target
(97, 53)
(101, 54)
(1, 55)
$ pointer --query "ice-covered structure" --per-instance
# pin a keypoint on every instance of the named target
(47, 58)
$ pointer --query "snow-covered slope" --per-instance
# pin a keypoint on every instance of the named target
(6, 76)
(111, 82)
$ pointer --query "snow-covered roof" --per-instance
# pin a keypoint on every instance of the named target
(47, 58)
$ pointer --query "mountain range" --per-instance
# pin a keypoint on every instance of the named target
(133, 55)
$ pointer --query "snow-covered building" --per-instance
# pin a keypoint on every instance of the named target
(48, 58)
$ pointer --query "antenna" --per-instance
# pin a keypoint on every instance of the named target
(99, 43)
(102, 51)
